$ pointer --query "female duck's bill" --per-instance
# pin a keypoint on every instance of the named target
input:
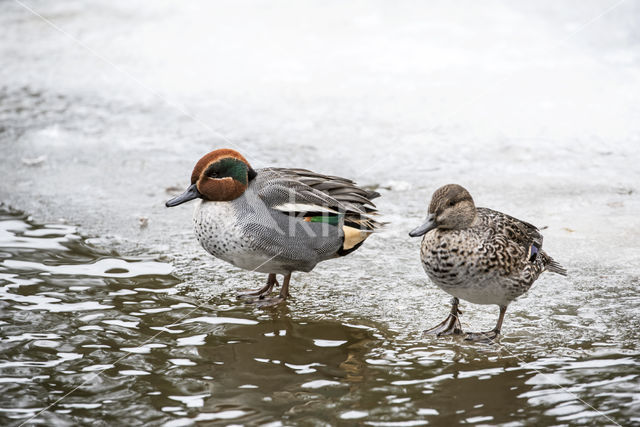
(428, 225)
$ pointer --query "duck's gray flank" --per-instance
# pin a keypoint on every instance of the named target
(276, 220)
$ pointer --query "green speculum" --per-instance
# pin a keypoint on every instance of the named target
(328, 219)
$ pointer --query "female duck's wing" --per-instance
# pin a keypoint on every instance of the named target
(512, 228)
(518, 234)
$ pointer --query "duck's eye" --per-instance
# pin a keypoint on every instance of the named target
(452, 203)
(214, 171)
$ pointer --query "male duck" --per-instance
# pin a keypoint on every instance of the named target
(275, 220)
(478, 254)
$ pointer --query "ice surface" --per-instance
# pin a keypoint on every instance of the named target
(531, 106)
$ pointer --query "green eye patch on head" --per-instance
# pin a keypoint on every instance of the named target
(228, 168)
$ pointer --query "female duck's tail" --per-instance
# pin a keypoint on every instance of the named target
(552, 265)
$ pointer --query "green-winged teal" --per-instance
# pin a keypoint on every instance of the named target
(478, 254)
(275, 220)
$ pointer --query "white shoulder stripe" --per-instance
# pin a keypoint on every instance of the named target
(302, 207)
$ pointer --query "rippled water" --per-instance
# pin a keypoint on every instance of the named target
(106, 105)
(88, 336)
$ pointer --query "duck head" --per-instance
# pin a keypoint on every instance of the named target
(220, 176)
(451, 208)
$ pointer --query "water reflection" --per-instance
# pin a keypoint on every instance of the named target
(114, 332)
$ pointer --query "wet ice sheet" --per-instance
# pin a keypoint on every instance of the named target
(531, 107)
(183, 360)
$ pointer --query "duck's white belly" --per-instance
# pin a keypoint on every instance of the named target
(467, 282)
(480, 292)
(219, 232)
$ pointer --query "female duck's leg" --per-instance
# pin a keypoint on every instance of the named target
(498, 328)
(451, 325)
(489, 335)
(262, 292)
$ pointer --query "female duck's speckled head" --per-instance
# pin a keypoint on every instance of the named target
(221, 176)
(451, 208)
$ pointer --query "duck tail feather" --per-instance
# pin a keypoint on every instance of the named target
(554, 266)
(372, 195)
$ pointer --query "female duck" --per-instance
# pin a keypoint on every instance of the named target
(275, 220)
(478, 254)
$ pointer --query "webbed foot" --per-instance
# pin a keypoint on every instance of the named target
(271, 301)
(264, 300)
(491, 335)
(488, 336)
(451, 325)
(262, 292)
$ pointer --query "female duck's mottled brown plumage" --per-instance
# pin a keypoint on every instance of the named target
(478, 254)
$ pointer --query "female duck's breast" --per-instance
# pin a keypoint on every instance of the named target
(457, 263)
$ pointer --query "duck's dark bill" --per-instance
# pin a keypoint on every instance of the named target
(430, 224)
(190, 194)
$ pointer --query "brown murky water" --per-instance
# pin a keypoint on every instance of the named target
(88, 337)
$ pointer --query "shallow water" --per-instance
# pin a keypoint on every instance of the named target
(105, 108)
(89, 336)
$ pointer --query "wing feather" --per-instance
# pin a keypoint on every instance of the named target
(297, 191)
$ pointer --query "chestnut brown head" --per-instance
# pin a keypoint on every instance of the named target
(220, 176)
